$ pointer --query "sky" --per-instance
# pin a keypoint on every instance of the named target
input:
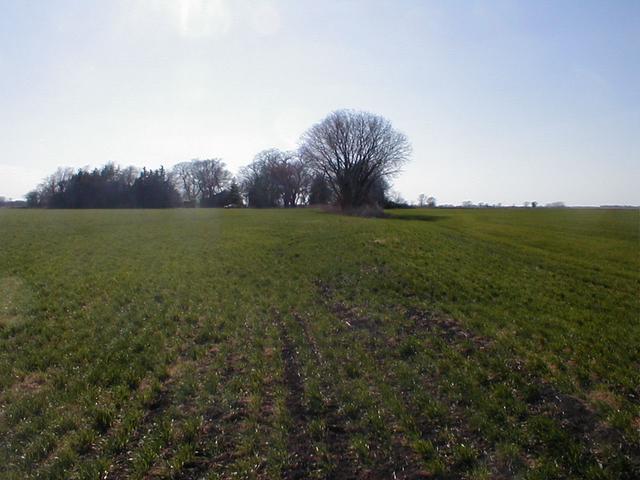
(503, 101)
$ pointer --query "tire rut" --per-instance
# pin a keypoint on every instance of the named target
(215, 442)
(302, 458)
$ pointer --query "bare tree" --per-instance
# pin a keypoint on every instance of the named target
(276, 178)
(258, 183)
(352, 150)
(57, 181)
(211, 176)
(185, 178)
(291, 176)
(201, 180)
(397, 198)
(422, 200)
(299, 182)
(53, 187)
(129, 175)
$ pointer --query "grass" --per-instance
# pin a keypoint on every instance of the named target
(289, 344)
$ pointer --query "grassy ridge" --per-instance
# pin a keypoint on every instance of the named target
(187, 343)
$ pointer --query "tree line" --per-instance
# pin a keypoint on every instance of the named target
(346, 159)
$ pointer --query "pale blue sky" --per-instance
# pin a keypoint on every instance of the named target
(503, 101)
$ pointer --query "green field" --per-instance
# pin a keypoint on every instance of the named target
(300, 344)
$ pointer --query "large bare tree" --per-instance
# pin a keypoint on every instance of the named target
(276, 178)
(291, 176)
(211, 176)
(258, 183)
(184, 176)
(354, 150)
(201, 180)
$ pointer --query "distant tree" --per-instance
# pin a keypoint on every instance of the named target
(52, 189)
(534, 204)
(154, 189)
(212, 177)
(319, 191)
(422, 200)
(555, 205)
(353, 150)
(128, 176)
(467, 204)
(229, 197)
(185, 179)
(105, 187)
(388, 199)
(396, 197)
(33, 199)
(235, 195)
(431, 202)
(108, 187)
(276, 178)
(202, 182)
(526, 204)
(259, 185)
(292, 177)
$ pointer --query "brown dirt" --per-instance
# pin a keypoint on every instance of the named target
(578, 418)
(605, 397)
(445, 327)
(31, 383)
